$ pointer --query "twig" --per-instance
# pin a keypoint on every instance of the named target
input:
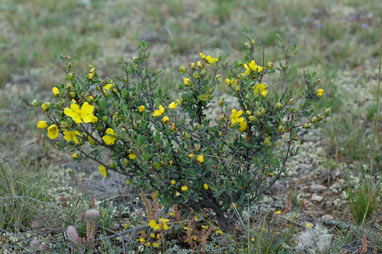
(36, 200)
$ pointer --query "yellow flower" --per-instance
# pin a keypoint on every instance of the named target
(141, 108)
(172, 105)
(219, 232)
(191, 156)
(53, 131)
(107, 87)
(228, 81)
(173, 182)
(156, 245)
(278, 212)
(308, 225)
(55, 91)
(71, 135)
(235, 116)
(171, 213)
(159, 112)
(192, 65)
(200, 158)
(195, 218)
(252, 65)
(126, 226)
(132, 156)
(187, 81)
(243, 126)
(262, 88)
(205, 226)
(109, 139)
(252, 239)
(90, 76)
(205, 186)
(165, 119)
(163, 223)
(184, 188)
(153, 224)
(320, 92)
(103, 171)
(94, 119)
(211, 60)
(74, 155)
(85, 114)
(208, 59)
(142, 240)
(42, 124)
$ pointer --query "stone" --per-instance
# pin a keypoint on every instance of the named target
(327, 217)
(317, 198)
(317, 187)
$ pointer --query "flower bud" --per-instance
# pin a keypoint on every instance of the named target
(279, 105)
(68, 86)
(115, 90)
(203, 73)
(291, 101)
(92, 214)
(221, 102)
(306, 126)
(328, 111)
(72, 234)
(182, 69)
(42, 247)
(70, 76)
(34, 102)
(281, 128)
(196, 74)
(72, 94)
(34, 244)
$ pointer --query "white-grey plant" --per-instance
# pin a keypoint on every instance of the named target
(314, 240)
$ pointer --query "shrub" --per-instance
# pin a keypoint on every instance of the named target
(175, 148)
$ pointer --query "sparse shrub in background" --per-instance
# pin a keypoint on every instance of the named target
(213, 163)
(363, 200)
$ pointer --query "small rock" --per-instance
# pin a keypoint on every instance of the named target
(317, 187)
(327, 217)
(317, 198)
(304, 166)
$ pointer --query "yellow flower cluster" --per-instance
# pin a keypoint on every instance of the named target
(237, 119)
(261, 88)
(209, 59)
(162, 225)
(251, 67)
